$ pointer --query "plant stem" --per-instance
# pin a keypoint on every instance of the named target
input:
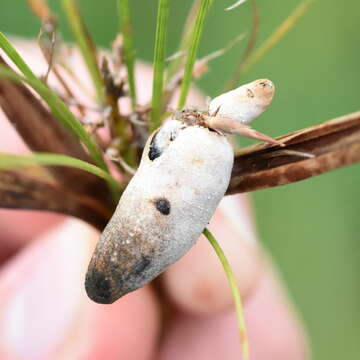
(193, 50)
(11, 161)
(159, 64)
(15, 57)
(235, 292)
(124, 16)
(177, 63)
(86, 46)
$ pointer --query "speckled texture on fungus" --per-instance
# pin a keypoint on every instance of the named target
(163, 210)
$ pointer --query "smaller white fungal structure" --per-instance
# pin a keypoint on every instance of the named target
(231, 112)
(245, 103)
(183, 174)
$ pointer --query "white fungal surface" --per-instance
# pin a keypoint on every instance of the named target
(183, 175)
(245, 103)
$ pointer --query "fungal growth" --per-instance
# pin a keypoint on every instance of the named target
(183, 174)
(245, 103)
(231, 112)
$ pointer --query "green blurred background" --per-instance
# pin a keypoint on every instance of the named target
(311, 228)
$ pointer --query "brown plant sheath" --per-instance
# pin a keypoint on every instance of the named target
(21, 190)
(333, 144)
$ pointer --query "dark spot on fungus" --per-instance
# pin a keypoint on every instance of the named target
(250, 93)
(163, 205)
(154, 151)
(98, 287)
(141, 266)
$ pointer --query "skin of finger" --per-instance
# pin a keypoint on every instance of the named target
(45, 313)
(197, 282)
(273, 328)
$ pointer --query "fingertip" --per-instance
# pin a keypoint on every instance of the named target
(274, 329)
(127, 329)
(197, 282)
(46, 314)
(274, 322)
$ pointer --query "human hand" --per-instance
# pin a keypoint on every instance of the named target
(45, 313)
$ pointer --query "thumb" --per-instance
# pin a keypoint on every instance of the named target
(45, 313)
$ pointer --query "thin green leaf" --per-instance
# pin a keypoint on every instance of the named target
(15, 57)
(273, 39)
(235, 292)
(86, 45)
(57, 106)
(177, 63)
(193, 50)
(11, 161)
(159, 63)
(60, 111)
(124, 16)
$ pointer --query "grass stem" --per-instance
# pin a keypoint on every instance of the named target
(159, 63)
(235, 292)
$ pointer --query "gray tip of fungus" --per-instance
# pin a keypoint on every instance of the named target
(105, 286)
(98, 287)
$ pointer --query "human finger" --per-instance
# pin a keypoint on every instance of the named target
(45, 313)
(273, 327)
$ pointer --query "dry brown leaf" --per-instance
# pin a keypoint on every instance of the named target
(333, 144)
(21, 190)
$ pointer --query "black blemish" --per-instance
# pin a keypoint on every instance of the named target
(154, 151)
(98, 287)
(250, 93)
(141, 266)
(163, 205)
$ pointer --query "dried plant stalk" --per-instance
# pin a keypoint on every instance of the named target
(333, 144)
(20, 190)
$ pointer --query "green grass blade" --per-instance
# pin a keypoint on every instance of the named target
(193, 50)
(86, 45)
(57, 106)
(272, 40)
(235, 292)
(124, 16)
(11, 161)
(176, 64)
(159, 63)
(15, 57)
(60, 111)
